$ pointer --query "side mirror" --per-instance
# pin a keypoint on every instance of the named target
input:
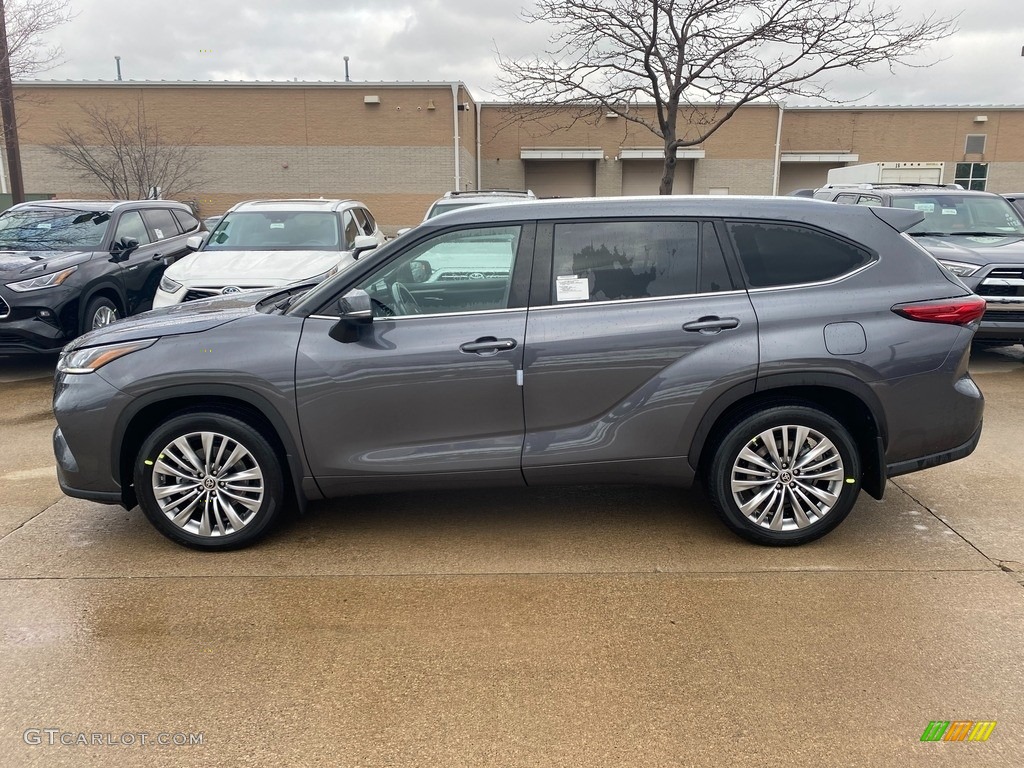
(356, 311)
(195, 242)
(123, 248)
(363, 244)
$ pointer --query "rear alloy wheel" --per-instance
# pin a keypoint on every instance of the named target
(100, 313)
(209, 481)
(785, 476)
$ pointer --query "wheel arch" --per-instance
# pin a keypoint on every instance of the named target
(846, 399)
(102, 290)
(137, 422)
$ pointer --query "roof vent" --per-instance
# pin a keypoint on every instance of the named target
(371, 99)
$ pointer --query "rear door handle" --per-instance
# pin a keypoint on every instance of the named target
(488, 344)
(711, 324)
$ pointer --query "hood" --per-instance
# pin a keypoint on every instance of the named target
(21, 264)
(975, 249)
(194, 317)
(254, 268)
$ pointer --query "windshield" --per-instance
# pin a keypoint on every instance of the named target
(53, 230)
(952, 214)
(276, 231)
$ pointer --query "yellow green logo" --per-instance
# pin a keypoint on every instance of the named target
(958, 730)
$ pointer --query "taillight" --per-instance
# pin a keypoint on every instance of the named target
(962, 311)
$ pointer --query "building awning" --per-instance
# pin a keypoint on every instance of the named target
(561, 153)
(658, 153)
(820, 157)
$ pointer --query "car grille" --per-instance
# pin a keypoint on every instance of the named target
(202, 294)
(1003, 317)
(5, 308)
(1003, 281)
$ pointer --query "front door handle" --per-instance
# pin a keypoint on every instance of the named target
(157, 256)
(711, 324)
(488, 344)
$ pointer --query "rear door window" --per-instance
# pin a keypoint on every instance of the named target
(780, 253)
(623, 260)
(161, 223)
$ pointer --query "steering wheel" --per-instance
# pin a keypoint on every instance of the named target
(405, 302)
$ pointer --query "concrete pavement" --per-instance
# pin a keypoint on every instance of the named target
(573, 626)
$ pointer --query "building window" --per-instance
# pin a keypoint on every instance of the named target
(972, 175)
(975, 144)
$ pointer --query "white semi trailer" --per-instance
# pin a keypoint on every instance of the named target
(888, 173)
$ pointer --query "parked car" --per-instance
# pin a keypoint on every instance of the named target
(978, 236)
(1016, 200)
(68, 266)
(453, 201)
(269, 243)
(788, 352)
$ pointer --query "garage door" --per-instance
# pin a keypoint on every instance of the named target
(643, 177)
(561, 178)
(804, 176)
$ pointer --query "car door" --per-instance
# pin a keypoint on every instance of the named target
(427, 390)
(639, 327)
(140, 266)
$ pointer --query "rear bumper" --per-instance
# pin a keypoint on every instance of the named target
(935, 459)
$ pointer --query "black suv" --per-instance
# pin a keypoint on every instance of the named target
(787, 351)
(69, 266)
(978, 236)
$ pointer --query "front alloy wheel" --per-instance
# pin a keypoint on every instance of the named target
(209, 481)
(788, 475)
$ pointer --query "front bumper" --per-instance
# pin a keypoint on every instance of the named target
(85, 405)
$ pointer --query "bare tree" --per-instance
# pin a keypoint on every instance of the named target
(22, 54)
(127, 155)
(28, 21)
(702, 59)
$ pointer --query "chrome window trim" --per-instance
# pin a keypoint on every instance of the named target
(434, 314)
(791, 286)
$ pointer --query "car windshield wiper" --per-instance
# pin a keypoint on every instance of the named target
(981, 233)
(930, 234)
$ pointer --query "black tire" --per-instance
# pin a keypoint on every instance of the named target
(98, 314)
(209, 525)
(786, 496)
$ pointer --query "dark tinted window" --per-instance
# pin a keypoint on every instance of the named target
(52, 229)
(161, 223)
(713, 274)
(131, 225)
(775, 253)
(187, 221)
(602, 261)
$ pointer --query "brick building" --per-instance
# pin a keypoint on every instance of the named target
(398, 146)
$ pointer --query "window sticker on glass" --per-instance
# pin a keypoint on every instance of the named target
(572, 288)
(926, 207)
(949, 211)
(159, 233)
(277, 225)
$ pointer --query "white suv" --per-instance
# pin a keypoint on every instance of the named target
(267, 243)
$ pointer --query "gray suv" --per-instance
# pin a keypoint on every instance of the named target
(787, 352)
(978, 236)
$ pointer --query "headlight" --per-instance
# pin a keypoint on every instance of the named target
(43, 281)
(169, 286)
(93, 358)
(958, 268)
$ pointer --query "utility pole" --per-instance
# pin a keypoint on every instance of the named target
(7, 114)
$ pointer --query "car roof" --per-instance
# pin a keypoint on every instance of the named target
(99, 205)
(295, 205)
(738, 206)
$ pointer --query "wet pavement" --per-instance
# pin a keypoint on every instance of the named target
(572, 626)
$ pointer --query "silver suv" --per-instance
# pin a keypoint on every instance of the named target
(787, 352)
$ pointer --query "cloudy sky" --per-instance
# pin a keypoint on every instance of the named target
(456, 40)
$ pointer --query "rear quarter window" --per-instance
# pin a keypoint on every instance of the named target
(779, 253)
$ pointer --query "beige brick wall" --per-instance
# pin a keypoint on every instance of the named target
(741, 177)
